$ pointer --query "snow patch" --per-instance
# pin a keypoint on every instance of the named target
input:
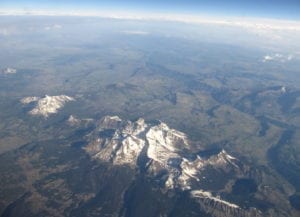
(283, 89)
(116, 118)
(206, 194)
(30, 99)
(73, 121)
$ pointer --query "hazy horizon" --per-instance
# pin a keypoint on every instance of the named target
(278, 9)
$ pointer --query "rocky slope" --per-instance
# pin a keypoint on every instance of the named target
(115, 167)
(165, 154)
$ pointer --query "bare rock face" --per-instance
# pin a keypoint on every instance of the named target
(160, 148)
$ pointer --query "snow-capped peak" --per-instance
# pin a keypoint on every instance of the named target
(158, 151)
(124, 142)
(47, 105)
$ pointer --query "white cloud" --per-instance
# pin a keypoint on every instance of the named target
(4, 32)
(135, 32)
(9, 71)
(267, 32)
(267, 58)
(290, 57)
(55, 26)
(260, 25)
(278, 57)
(7, 31)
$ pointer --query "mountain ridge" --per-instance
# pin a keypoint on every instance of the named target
(161, 148)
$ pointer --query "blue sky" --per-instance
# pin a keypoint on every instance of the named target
(285, 9)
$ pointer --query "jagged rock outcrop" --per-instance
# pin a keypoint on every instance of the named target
(162, 152)
(124, 142)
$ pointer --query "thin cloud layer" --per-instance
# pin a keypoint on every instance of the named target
(254, 24)
(53, 27)
(135, 32)
(4, 32)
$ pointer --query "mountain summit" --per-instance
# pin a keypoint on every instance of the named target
(162, 153)
(160, 148)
